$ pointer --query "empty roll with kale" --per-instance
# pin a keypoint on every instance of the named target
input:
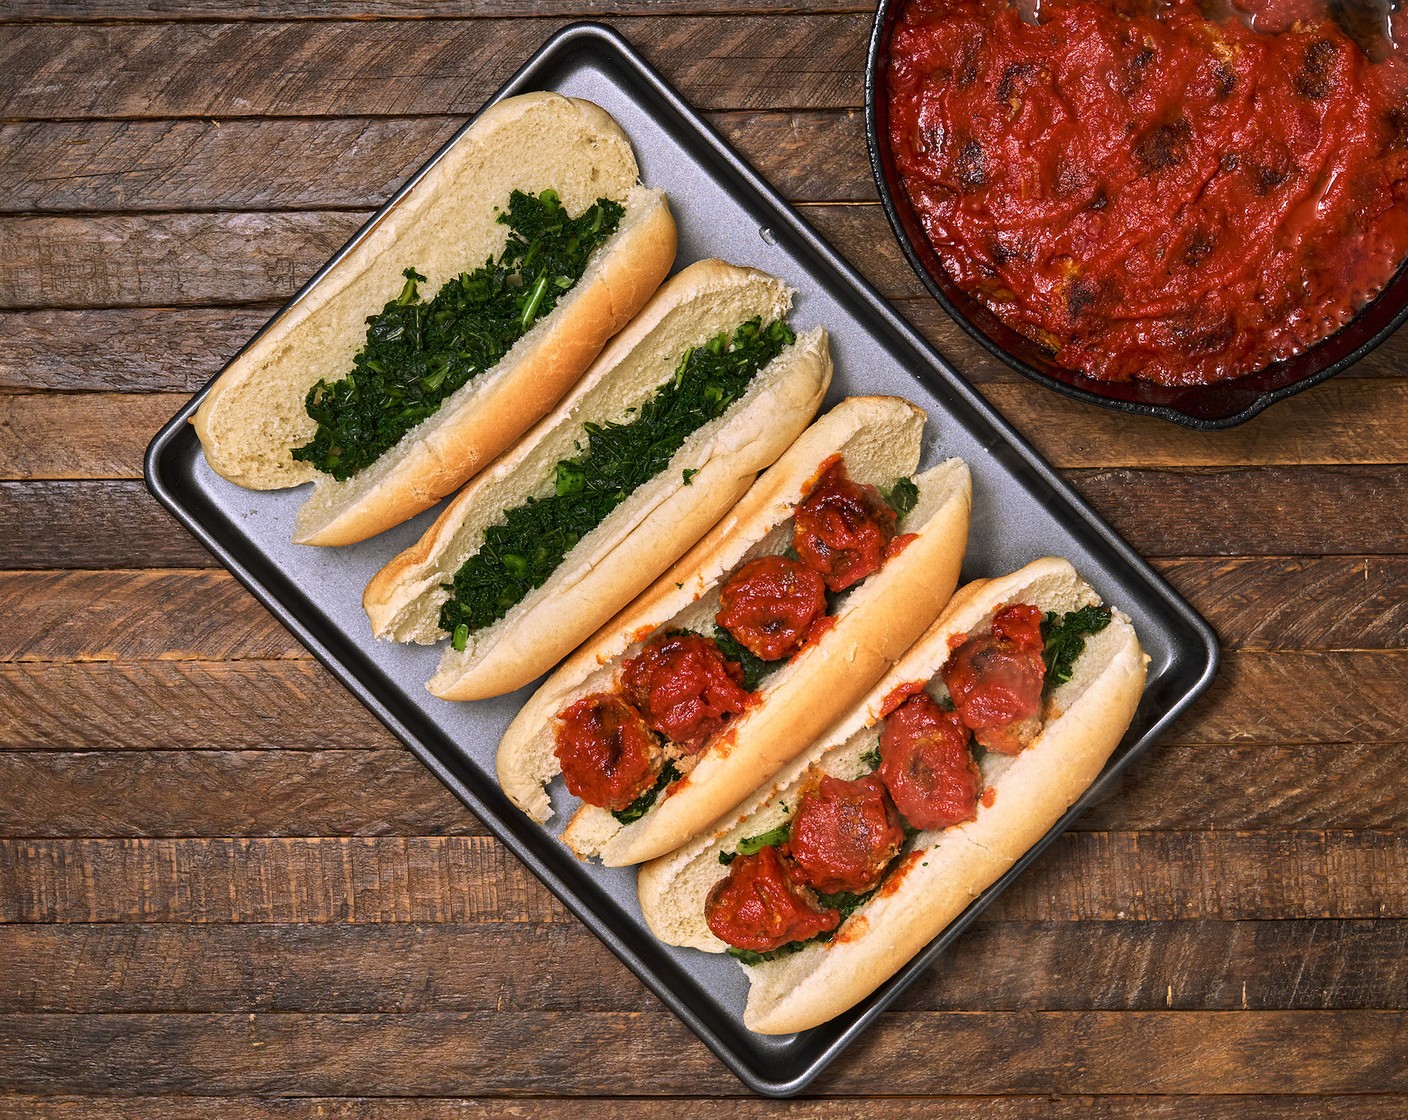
(451, 326)
(662, 435)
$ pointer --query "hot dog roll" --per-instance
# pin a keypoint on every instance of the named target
(753, 643)
(857, 855)
(451, 327)
(706, 387)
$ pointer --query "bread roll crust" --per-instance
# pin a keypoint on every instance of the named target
(643, 535)
(948, 868)
(876, 434)
(253, 416)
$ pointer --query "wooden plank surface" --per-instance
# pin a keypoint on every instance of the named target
(203, 614)
(104, 523)
(1040, 1106)
(226, 891)
(352, 792)
(1085, 876)
(427, 67)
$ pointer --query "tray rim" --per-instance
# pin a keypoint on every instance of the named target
(600, 36)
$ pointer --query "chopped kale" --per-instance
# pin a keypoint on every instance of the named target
(755, 669)
(847, 902)
(637, 808)
(417, 353)
(752, 845)
(752, 956)
(1065, 640)
(902, 497)
(521, 552)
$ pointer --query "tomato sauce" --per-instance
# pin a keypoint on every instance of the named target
(996, 680)
(1147, 192)
(684, 688)
(756, 906)
(926, 766)
(844, 835)
(771, 604)
(607, 754)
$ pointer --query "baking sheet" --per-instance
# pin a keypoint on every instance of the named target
(1021, 510)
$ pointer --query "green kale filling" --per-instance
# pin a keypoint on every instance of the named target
(755, 668)
(417, 353)
(519, 554)
(902, 497)
(752, 845)
(637, 808)
(1066, 639)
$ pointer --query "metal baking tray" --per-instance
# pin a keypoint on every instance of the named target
(1021, 510)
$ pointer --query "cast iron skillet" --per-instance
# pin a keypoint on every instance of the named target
(1207, 407)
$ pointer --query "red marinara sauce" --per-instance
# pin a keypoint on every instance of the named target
(608, 755)
(685, 688)
(1147, 192)
(996, 680)
(757, 906)
(842, 529)
(926, 766)
(770, 605)
(844, 835)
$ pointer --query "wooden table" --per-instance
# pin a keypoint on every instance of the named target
(226, 891)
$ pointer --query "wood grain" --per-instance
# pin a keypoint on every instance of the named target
(1043, 1106)
(997, 966)
(1298, 602)
(405, 68)
(161, 615)
(185, 705)
(80, 435)
(162, 793)
(577, 1053)
(384, 879)
(1252, 511)
(1085, 876)
(1258, 699)
(385, 9)
(130, 349)
(165, 260)
(182, 705)
(191, 259)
